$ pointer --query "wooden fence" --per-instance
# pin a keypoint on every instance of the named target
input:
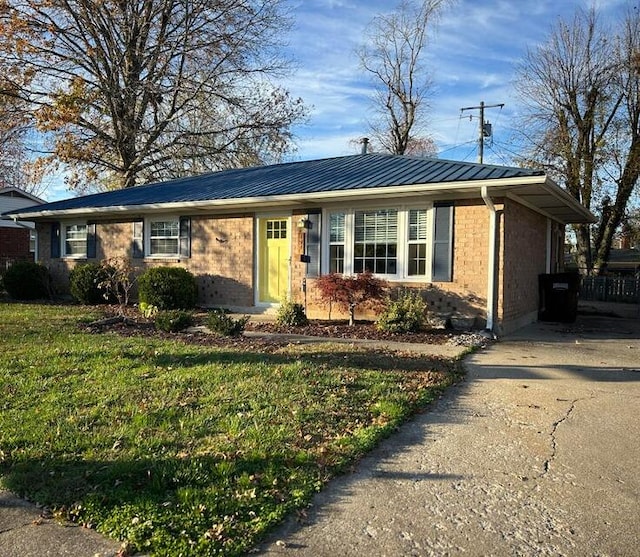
(610, 289)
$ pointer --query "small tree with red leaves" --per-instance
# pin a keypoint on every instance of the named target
(350, 291)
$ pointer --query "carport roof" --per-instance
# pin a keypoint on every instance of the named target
(314, 181)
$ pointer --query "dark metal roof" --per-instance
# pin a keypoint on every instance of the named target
(354, 172)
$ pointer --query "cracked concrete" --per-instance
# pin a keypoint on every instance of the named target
(554, 428)
(536, 453)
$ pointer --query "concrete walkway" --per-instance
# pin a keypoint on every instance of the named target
(537, 453)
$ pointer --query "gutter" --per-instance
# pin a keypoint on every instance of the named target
(491, 273)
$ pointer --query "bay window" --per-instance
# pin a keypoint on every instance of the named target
(399, 243)
(336, 242)
(376, 242)
(417, 243)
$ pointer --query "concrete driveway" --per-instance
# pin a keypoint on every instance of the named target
(536, 453)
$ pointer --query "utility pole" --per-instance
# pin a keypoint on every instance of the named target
(485, 127)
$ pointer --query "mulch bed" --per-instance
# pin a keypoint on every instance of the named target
(133, 324)
(360, 330)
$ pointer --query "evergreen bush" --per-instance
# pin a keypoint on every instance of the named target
(26, 280)
(85, 281)
(168, 288)
(406, 314)
(172, 321)
(221, 324)
(291, 314)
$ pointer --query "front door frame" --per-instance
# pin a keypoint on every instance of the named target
(259, 251)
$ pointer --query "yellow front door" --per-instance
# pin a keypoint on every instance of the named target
(275, 258)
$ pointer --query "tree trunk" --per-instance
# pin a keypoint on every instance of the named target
(628, 182)
(583, 257)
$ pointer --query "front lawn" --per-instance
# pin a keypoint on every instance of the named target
(187, 448)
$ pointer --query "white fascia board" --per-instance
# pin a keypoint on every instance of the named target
(442, 188)
(571, 206)
(564, 196)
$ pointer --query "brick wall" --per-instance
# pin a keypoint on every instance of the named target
(221, 256)
(14, 246)
(524, 258)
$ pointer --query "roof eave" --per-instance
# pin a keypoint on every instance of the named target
(469, 187)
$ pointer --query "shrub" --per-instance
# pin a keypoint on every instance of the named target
(85, 281)
(117, 280)
(224, 325)
(148, 310)
(350, 292)
(172, 321)
(406, 314)
(168, 288)
(26, 280)
(291, 314)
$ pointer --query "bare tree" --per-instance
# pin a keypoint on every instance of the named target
(393, 54)
(12, 137)
(150, 89)
(581, 122)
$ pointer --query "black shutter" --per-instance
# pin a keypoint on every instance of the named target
(91, 241)
(55, 239)
(443, 243)
(137, 245)
(185, 237)
(313, 244)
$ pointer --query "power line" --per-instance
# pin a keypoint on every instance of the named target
(457, 146)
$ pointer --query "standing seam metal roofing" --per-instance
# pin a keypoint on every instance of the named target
(314, 176)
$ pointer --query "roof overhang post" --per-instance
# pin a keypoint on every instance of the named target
(491, 272)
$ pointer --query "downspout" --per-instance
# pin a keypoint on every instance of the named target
(549, 246)
(491, 273)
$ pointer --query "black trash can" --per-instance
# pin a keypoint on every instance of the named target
(559, 297)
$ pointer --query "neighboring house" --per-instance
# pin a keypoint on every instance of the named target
(17, 239)
(624, 262)
(473, 238)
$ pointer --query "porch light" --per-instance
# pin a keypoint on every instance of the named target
(304, 223)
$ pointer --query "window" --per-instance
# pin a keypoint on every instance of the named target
(276, 229)
(417, 252)
(376, 242)
(398, 243)
(164, 237)
(75, 240)
(32, 240)
(336, 242)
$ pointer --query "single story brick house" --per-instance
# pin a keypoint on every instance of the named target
(472, 237)
(17, 239)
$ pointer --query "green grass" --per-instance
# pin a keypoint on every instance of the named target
(180, 449)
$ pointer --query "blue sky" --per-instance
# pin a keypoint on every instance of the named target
(472, 56)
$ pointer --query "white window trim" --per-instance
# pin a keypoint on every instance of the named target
(403, 240)
(147, 237)
(429, 244)
(63, 240)
(33, 241)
